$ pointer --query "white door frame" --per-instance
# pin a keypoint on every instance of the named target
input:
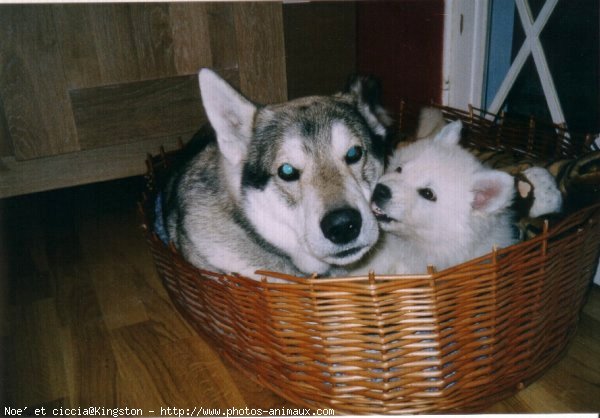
(466, 24)
(465, 48)
(465, 52)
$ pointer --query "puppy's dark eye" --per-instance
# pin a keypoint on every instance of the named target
(353, 155)
(399, 170)
(428, 194)
(288, 172)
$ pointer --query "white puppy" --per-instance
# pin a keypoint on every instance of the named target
(439, 206)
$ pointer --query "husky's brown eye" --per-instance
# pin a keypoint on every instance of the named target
(399, 170)
(428, 194)
(353, 154)
(288, 172)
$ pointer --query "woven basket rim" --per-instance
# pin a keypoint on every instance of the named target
(549, 231)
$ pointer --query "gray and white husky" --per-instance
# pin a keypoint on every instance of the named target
(284, 187)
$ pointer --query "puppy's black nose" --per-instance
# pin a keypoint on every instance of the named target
(381, 194)
(341, 226)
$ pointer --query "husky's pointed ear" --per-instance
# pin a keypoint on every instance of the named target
(230, 114)
(493, 191)
(450, 134)
(366, 91)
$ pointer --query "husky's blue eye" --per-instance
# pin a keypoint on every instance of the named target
(427, 193)
(287, 172)
(354, 154)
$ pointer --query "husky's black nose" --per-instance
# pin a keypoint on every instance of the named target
(341, 226)
(381, 194)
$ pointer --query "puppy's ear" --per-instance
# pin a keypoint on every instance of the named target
(366, 91)
(493, 191)
(230, 114)
(450, 134)
(431, 121)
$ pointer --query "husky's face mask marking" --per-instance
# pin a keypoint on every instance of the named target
(317, 182)
(303, 171)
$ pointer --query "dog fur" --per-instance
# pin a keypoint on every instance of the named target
(438, 205)
(282, 187)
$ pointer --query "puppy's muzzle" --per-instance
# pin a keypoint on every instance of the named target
(341, 226)
(381, 194)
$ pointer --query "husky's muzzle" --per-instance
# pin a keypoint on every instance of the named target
(341, 226)
(345, 228)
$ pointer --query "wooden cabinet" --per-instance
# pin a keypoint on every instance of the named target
(86, 90)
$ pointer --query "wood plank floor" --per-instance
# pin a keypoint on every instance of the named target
(85, 321)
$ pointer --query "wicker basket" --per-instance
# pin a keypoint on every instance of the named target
(456, 340)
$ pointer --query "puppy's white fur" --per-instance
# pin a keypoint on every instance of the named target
(443, 207)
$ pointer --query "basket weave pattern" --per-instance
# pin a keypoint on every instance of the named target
(454, 340)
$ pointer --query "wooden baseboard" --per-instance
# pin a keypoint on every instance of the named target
(101, 164)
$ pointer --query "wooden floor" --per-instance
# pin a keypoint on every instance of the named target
(84, 320)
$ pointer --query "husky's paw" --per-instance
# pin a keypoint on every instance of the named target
(546, 196)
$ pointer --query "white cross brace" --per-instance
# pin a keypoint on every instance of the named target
(532, 45)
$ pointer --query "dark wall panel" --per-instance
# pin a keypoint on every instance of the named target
(402, 43)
